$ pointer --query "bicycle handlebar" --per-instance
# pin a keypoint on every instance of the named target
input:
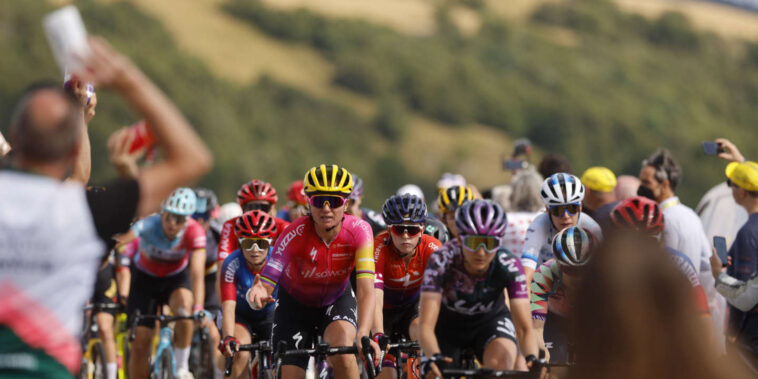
(163, 319)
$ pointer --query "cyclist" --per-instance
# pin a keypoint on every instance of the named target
(401, 254)
(168, 269)
(253, 195)
(448, 201)
(462, 296)
(108, 292)
(240, 322)
(562, 195)
(436, 229)
(312, 262)
(555, 284)
(297, 203)
(645, 216)
(354, 208)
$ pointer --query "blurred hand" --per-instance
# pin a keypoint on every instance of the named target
(79, 89)
(106, 66)
(730, 153)
(715, 264)
(118, 150)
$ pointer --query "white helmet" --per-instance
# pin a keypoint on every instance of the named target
(229, 211)
(411, 189)
(562, 189)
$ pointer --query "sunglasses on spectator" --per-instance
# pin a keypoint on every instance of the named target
(259, 243)
(489, 243)
(559, 210)
(412, 230)
(264, 207)
(205, 216)
(178, 219)
(321, 200)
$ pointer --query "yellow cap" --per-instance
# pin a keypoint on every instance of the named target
(599, 179)
(743, 174)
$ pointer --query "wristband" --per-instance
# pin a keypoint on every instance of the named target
(196, 308)
(530, 358)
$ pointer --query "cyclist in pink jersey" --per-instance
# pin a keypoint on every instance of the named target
(311, 263)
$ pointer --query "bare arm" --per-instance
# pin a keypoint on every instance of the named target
(522, 319)
(227, 322)
(378, 314)
(197, 276)
(429, 311)
(366, 305)
(529, 273)
(82, 169)
(539, 329)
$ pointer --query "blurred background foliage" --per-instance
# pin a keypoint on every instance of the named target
(581, 78)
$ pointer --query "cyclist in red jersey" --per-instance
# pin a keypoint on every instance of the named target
(401, 254)
(311, 264)
(255, 195)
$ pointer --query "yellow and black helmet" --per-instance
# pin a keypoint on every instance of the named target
(453, 197)
(328, 180)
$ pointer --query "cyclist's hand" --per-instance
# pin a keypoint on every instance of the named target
(375, 354)
(203, 317)
(730, 151)
(430, 369)
(228, 346)
(257, 296)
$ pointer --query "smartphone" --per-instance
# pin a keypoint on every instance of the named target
(514, 164)
(67, 37)
(720, 244)
(711, 148)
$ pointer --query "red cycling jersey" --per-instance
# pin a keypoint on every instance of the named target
(228, 241)
(401, 282)
(314, 273)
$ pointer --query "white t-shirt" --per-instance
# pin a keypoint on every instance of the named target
(49, 256)
(537, 249)
(515, 234)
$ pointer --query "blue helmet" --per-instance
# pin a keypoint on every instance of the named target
(182, 201)
(401, 208)
(572, 246)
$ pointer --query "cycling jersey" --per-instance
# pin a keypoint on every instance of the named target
(229, 242)
(549, 292)
(537, 249)
(687, 268)
(236, 280)
(314, 273)
(472, 296)
(401, 283)
(159, 256)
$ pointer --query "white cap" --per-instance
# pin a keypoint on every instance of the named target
(229, 211)
(411, 189)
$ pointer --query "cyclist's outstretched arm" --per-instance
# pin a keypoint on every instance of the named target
(522, 318)
(187, 157)
(429, 311)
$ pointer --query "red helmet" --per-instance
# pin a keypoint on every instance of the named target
(296, 193)
(255, 224)
(640, 214)
(256, 190)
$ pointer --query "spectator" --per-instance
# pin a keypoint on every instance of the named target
(526, 203)
(600, 197)
(626, 187)
(552, 164)
(659, 177)
(661, 338)
(49, 229)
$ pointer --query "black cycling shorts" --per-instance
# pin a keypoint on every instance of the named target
(455, 336)
(397, 321)
(556, 338)
(147, 292)
(105, 288)
(295, 323)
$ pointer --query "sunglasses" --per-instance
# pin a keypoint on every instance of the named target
(259, 243)
(178, 219)
(559, 210)
(489, 243)
(412, 230)
(321, 200)
(264, 207)
(205, 216)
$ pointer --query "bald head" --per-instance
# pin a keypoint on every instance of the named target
(45, 125)
(627, 187)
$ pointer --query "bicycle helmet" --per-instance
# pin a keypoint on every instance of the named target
(181, 202)
(572, 246)
(328, 180)
(255, 224)
(436, 229)
(562, 189)
(411, 189)
(357, 188)
(399, 209)
(296, 194)
(256, 190)
(452, 198)
(481, 217)
(640, 214)
(206, 200)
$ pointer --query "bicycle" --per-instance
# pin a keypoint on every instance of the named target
(263, 350)
(321, 350)
(93, 358)
(403, 351)
(201, 354)
(164, 363)
(470, 370)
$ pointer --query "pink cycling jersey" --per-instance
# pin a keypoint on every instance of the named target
(314, 273)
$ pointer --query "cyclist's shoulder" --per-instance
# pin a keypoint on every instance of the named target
(548, 270)
(429, 244)
(356, 227)
(540, 224)
(281, 223)
(233, 261)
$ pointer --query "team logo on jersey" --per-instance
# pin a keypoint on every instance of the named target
(322, 274)
(230, 270)
(476, 308)
(289, 237)
(406, 280)
(363, 225)
(297, 337)
(313, 253)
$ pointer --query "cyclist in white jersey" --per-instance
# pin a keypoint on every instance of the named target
(562, 194)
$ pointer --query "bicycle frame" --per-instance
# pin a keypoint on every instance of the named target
(164, 347)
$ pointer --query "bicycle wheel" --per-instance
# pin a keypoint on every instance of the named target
(84, 370)
(126, 351)
(165, 369)
(206, 356)
(99, 370)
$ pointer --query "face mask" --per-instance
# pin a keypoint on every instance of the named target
(646, 192)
